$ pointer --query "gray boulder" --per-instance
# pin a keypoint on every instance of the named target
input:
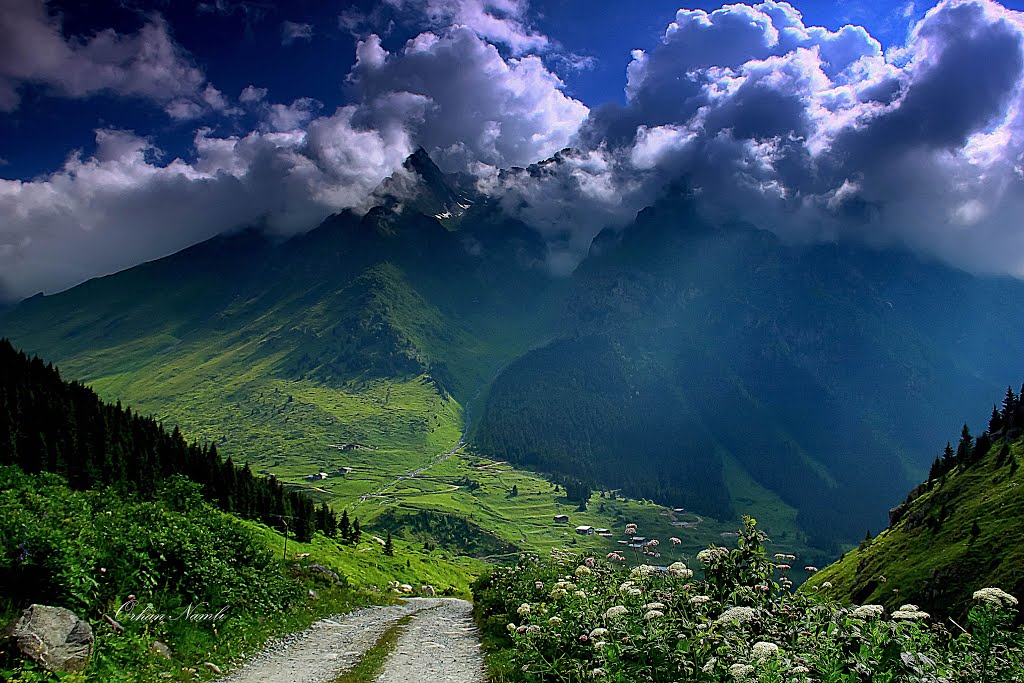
(53, 636)
(161, 649)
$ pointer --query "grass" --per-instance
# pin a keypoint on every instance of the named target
(372, 662)
(932, 556)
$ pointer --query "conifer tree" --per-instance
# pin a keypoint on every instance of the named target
(995, 423)
(948, 457)
(345, 527)
(389, 546)
(966, 446)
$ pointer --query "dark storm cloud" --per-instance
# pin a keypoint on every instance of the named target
(817, 134)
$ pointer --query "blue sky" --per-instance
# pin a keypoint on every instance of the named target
(130, 129)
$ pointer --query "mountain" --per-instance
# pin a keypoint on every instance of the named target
(705, 366)
(688, 351)
(960, 530)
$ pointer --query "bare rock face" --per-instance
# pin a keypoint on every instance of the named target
(53, 636)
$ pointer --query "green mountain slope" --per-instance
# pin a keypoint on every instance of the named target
(961, 530)
(818, 370)
(707, 367)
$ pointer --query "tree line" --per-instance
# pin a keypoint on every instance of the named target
(48, 424)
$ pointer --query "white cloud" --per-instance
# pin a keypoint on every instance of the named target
(463, 102)
(498, 21)
(452, 93)
(251, 95)
(147, 64)
(817, 134)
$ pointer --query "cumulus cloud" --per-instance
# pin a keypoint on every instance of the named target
(818, 134)
(251, 94)
(122, 205)
(814, 133)
(452, 92)
(463, 102)
(147, 64)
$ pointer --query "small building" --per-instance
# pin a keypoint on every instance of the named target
(561, 519)
(585, 530)
(319, 476)
(602, 531)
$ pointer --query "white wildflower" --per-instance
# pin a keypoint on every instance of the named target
(654, 605)
(909, 613)
(626, 585)
(653, 614)
(634, 592)
(764, 650)
(555, 621)
(616, 611)
(523, 610)
(598, 632)
(599, 644)
(741, 672)
(558, 594)
(868, 612)
(699, 599)
(583, 570)
(598, 673)
(738, 614)
(995, 596)
(709, 665)
(580, 594)
(801, 670)
(642, 570)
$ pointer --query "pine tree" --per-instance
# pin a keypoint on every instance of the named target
(515, 491)
(389, 546)
(966, 446)
(1009, 408)
(948, 457)
(357, 533)
(995, 423)
(936, 471)
(345, 527)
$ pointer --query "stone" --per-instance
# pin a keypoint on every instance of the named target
(325, 573)
(161, 649)
(53, 636)
(428, 591)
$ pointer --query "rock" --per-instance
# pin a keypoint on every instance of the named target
(212, 667)
(161, 649)
(405, 588)
(325, 573)
(53, 636)
(428, 591)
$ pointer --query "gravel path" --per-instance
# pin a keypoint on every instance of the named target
(439, 644)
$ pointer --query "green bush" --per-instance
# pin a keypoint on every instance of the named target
(107, 553)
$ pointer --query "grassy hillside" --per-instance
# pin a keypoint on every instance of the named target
(963, 531)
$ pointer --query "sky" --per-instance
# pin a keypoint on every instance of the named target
(131, 129)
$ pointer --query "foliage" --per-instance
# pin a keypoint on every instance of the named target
(107, 553)
(573, 617)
